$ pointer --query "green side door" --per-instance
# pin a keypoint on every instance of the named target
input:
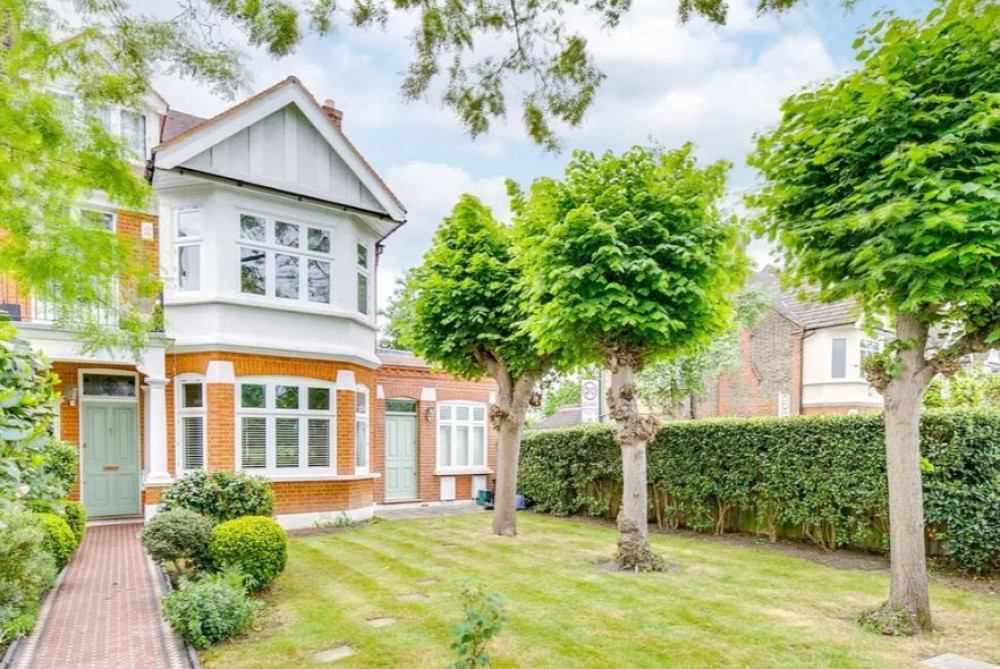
(400, 457)
(110, 459)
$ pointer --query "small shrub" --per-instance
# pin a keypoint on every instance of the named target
(178, 539)
(212, 608)
(484, 619)
(221, 495)
(26, 571)
(76, 517)
(60, 542)
(255, 545)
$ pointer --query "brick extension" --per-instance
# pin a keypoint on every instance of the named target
(106, 614)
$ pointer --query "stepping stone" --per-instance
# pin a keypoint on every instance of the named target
(381, 622)
(429, 581)
(334, 654)
(954, 661)
(412, 597)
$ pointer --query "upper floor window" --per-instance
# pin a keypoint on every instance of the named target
(361, 430)
(188, 236)
(99, 218)
(285, 426)
(461, 435)
(190, 423)
(838, 365)
(364, 274)
(869, 348)
(284, 260)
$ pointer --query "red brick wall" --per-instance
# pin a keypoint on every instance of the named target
(407, 382)
(290, 497)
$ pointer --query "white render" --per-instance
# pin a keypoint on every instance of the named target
(819, 387)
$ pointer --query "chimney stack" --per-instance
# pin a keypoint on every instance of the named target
(333, 113)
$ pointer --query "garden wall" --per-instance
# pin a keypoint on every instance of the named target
(820, 478)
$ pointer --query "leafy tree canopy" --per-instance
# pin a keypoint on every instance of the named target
(629, 254)
(394, 319)
(564, 393)
(486, 52)
(885, 185)
(467, 310)
(56, 151)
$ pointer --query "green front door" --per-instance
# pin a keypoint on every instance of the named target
(110, 459)
(400, 456)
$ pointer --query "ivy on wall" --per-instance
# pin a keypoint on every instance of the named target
(820, 478)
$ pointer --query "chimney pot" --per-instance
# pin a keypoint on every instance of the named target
(334, 114)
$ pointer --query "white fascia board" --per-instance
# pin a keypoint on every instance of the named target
(174, 155)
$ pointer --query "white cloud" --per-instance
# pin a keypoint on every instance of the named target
(429, 191)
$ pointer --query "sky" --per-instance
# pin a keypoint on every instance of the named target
(666, 82)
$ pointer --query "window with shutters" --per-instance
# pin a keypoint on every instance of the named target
(361, 432)
(285, 426)
(190, 430)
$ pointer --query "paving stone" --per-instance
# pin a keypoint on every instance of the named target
(954, 661)
(334, 654)
(381, 622)
(412, 597)
(429, 581)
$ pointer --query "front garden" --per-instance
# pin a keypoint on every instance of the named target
(723, 605)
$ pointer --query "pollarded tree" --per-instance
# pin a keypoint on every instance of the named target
(467, 316)
(629, 260)
(884, 186)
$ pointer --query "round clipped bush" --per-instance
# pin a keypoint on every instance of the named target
(220, 495)
(59, 542)
(76, 517)
(210, 609)
(255, 545)
(177, 537)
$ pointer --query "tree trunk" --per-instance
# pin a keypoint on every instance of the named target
(634, 552)
(909, 603)
(507, 416)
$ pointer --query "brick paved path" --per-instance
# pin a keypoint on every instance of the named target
(106, 613)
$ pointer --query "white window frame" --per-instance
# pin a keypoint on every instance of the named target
(833, 365)
(270, 413)
(362, 419)
(867, 346)
(454, 423)
(363, 271)
(115, 127)
(270, 247)
(188, 241)
(102, 211)
(181, 412)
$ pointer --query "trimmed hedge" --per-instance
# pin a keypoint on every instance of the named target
(179, 538)
(59, 542)
(821, 478)
(220, 495)
(75, 516)
(254, 545)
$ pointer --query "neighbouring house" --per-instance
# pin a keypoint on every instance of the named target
(267, 228)
(568, 416)
(803, 357)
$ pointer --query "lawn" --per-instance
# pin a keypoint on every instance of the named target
(724, 606)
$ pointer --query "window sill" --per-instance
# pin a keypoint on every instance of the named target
(280, 478)
(463, 471)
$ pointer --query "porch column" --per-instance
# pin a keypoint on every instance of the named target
(157, 472)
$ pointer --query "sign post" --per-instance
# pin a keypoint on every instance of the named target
(590, 404)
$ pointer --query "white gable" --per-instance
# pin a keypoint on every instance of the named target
(282, 140)
(285, 151)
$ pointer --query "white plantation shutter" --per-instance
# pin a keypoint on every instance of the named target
(193, 442)
(286, 442)
(319, 442)
(254, 446)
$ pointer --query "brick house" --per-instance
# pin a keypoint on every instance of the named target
(267, 227)
(802, 358)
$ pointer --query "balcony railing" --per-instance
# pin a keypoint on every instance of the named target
(17, 305)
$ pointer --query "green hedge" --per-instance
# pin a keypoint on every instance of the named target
(821, 478)
(254, 545)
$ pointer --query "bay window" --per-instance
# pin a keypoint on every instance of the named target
(361, 430)
(285, 426)
(190, 403)
(284, 259)
(461, 437)
(838, 361)
(869, 349)
(188, 235)
(364, 276)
